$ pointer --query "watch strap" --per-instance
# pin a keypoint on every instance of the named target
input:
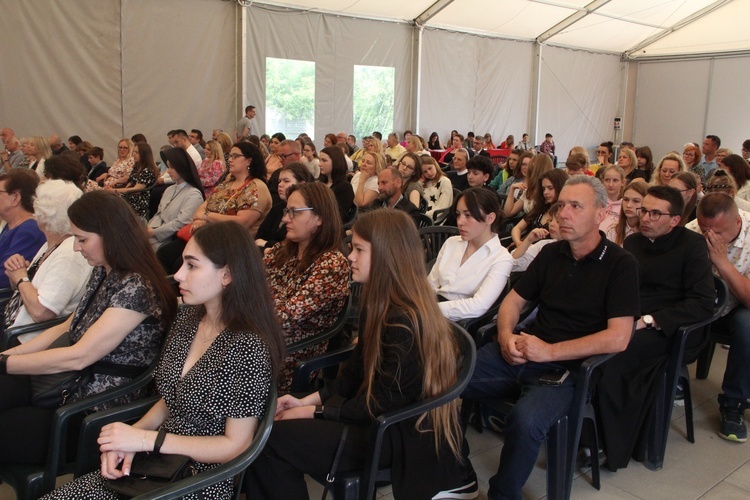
(159, 440)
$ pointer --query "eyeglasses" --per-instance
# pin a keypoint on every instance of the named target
(234, 156)
(406, 165)
(291, 212)
(654, 215)
(285, 156)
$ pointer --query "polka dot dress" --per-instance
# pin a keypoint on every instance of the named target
(231, 380)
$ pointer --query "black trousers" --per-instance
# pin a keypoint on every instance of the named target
(299, 447)
(24, 428)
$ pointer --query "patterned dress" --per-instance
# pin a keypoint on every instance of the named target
(210, 173)
(140, 200)
(307, 302)
(231, 380)
(141, 346)
(120, 168)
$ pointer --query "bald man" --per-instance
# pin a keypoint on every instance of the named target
(56, 145)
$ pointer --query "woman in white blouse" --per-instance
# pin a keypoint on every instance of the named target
(472, 269)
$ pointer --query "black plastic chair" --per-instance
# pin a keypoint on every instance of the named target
(33, 481)
(10, 336)
(234, 468)
(440, 216)
(361, 484)
(351, 217)
(433, 238)
(472, 325)
(424, 221)
(564, 437)
(677, 374)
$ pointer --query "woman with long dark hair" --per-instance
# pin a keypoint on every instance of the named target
(179, 201)
(333, 172)
(687, 184)
(221, 357)
(142, 176)
(740, 172)
(549, 186)
(406, 352)
(120, 322)
(273, 229)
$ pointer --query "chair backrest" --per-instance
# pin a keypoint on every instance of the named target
(440, 216)
(424, 221)
(234, 468)
(351, 216)
(468, 357)
(433, 238)
(326, 334)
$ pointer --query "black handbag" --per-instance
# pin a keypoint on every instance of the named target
(55, 389)
(151, 471)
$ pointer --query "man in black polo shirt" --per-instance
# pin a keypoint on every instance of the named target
(587, 290)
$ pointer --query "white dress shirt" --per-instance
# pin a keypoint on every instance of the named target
(472, 287)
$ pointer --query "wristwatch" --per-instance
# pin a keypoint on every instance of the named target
(648, 320)
(22, 280)
(319, 412)
(3, 364)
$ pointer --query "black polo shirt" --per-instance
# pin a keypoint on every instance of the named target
(577, 297)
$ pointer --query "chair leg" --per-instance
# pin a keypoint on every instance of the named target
(657, 435)
(688, 398)
(558, 475)
(704, 360)
(590, 417)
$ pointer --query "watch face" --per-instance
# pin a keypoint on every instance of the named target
(648, 319)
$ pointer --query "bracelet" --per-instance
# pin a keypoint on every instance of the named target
(143, 441)
(159, 440)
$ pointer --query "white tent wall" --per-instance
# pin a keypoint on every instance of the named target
(178, 72)
(580, 94)
(336, 45)
(61, 70)
(476, 83)
(683, 101)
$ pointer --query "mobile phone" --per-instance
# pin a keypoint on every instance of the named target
(554, 377)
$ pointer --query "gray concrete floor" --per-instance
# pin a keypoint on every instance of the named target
(709, 469)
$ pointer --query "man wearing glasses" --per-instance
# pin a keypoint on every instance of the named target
(676, 289)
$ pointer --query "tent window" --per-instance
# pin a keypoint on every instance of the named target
(373, 99)
(290, 101)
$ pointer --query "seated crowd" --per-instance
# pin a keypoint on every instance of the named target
(253, 230)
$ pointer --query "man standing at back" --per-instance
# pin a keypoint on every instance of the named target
(587, 291)
(246, 125)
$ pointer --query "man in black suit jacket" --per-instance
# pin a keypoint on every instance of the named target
(390, 186)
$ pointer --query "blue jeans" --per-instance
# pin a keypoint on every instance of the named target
(736, 384)
(538, 408)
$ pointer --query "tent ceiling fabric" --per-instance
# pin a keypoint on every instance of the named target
(617, 26)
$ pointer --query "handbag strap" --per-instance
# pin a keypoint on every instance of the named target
(331, 476)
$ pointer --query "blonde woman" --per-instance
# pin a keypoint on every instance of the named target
(212, 168)
(119, 172)
(667, 168)
(365, 182)
(38, 151)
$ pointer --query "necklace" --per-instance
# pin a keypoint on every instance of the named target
(209, 332)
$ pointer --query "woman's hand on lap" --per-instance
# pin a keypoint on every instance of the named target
(296, 413)
(123, 437)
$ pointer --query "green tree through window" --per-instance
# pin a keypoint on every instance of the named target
(290, 97)
(373, 99)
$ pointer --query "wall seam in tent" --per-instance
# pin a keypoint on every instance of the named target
(122, 74)
(241, 78)
(536, 79)
(635, 108)
(417, 107)
(708, 96)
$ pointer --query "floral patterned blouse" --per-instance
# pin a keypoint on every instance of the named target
(307, 302)
(120, 168)
(141, 346)
(252, 195)
(210, 173)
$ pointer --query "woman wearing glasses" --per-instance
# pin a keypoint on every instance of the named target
(308, 274)
(119, 172)
(410, 168)
(243, 197)
(667, 168)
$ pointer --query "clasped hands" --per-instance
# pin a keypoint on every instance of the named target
(16, 268)
(290, 408)
(518, 349)
(119, 443)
